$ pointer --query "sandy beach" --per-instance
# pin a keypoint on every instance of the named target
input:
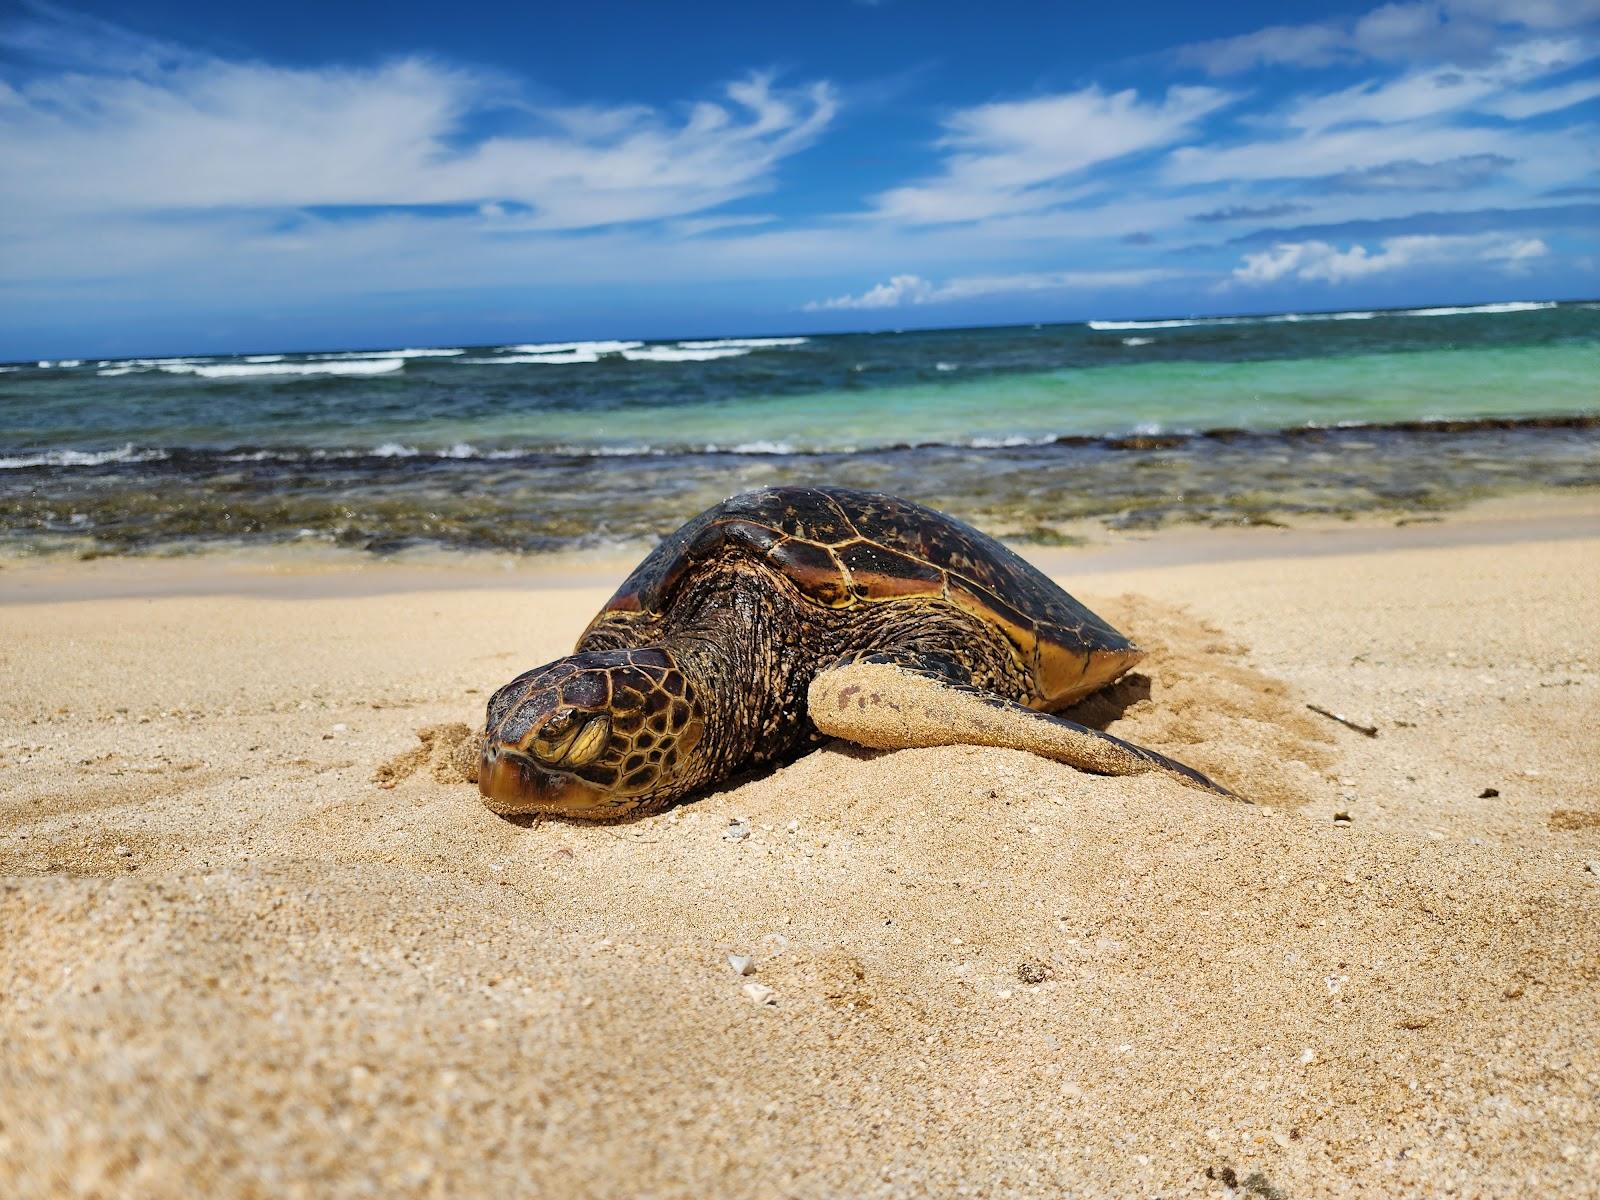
(255, 942)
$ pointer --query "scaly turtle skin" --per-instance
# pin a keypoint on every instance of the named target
(785, 615)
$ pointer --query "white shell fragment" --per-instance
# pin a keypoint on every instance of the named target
(760, 993)
(742, 964)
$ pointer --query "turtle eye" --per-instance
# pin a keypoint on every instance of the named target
(588, 743)
(555, 735)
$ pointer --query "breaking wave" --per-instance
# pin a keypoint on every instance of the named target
(1509, 306)
(380, 366)
(576, 356)
(572, 347)
(1143, 436)
(79, 458)
(674, 354)
(356, 354)
(744, 343)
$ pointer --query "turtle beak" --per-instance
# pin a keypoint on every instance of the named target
(513, 783)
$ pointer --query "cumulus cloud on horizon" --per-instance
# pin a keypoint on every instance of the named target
(1320, 261)
(913, 289)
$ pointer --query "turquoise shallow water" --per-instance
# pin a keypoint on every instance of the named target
(561, 445)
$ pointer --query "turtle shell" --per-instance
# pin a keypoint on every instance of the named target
(842, 548)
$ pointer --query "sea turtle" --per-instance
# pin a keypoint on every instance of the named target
(788, 614)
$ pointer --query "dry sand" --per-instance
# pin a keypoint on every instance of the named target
(248, 949)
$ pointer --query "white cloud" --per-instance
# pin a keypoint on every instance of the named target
(1409, 175)
(1012, 157)
(1426, 30)
(696, 226)
(913, 289)
(1522, 105)
(1316, 155)
(203, 133)
(907, 289)
(1317, 260)
(1301, 45)
(1426, 93)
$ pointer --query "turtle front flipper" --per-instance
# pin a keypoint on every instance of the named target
(894, 700)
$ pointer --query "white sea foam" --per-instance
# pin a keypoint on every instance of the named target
(1353, 315)
(944, 366)
(379, 366)
(263, 358)
(1509, 306)
(745, 343)
(1015, 439)
(80, 458)
(573, 347)
(1105, 326)
(604, 451)
(8, 370)
(1137, 341)
(48, 364)
(577, 356)
(672, 354)
(359, 354)
(126, 366)
(1278, 319)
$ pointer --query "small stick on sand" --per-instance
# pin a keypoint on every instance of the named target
(1369, 730)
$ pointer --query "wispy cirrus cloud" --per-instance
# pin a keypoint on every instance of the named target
(1021, 156)
(1444, 89)
(181, 132)
(1394, 32)
(1412, 175)
(1246, 212)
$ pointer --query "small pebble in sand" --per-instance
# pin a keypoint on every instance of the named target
(760, 993)
(742, 964)
(1593, 867)
(122, 852)
(1488, 793)
(775, 943)
(738, 829)
(1341, 817)
(1031, 970)
(793, 826)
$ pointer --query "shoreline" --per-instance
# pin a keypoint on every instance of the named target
(289, 572)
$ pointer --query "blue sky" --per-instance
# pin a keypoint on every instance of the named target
(179, 176)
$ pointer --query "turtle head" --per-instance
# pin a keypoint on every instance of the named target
(596, 735)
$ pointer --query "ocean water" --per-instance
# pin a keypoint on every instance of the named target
(566, 445)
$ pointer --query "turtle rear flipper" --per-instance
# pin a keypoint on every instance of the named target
(889, 700)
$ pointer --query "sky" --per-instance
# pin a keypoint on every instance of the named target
(179, 176)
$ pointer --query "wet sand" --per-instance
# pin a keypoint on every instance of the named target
(252, 943)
